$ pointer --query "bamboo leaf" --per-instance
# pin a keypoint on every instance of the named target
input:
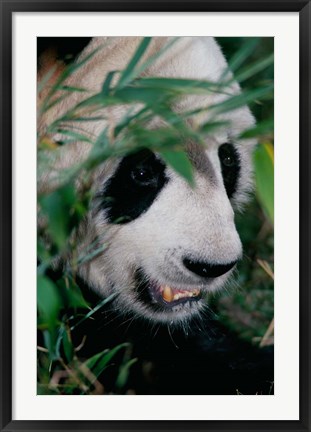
(242, 54)
(179, 161)
(107, 82)
(71, 89)
(177, 84)
(254, 68)
(264, 172)
(242, 99)
(48, 298)
(124, 373)
(260, 129)
(46, 78)
(73, 134)
(57, 206)
(140, 68)
(95, 309)
(98, 363)
(68, 345)
(49, 306)
(212, 126)
(129, 72)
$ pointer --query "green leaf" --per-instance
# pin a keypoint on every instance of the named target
(263, 128)
(150, 60)
(178, 84)
(58, 206)
(67, 345)
(129, 118)
(95, 309)
(71, 293)
(242, 99)
(179, 161)
(264, 172)
(49, 306)
(106, 85)
(42, 252)
(180, 129)
(46, 78)
(83, 258)
(124, 373)
(75, 135)
(212, 126)
(72, 89)
(67, 72)
(139, 68)
(55, 101)
(253, 69)
(49, 337)
(74, 66)
(98, 363)
(243, 53)
(132, 94)
(48, 298)
(99, 152)
(129, 72)
(83, 119)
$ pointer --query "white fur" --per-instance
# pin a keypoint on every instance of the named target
(182, 221)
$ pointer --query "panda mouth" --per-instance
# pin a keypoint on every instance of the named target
(165, 296)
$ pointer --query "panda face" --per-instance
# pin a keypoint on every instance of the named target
(168, 245)
(159, 245)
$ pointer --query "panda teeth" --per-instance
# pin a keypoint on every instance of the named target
(168, 294)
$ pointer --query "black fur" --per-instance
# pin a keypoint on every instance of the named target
(230, 167)
(134, 186)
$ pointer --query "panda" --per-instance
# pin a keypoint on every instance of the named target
(161, 246)
(167, 245)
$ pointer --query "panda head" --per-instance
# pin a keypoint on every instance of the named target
(165, 245)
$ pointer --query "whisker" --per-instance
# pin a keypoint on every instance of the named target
(171, 337)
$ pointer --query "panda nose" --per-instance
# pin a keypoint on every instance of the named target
(207, 270)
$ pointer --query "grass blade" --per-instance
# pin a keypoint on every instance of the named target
(95, 309)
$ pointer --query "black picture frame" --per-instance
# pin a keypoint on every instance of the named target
(7, 9)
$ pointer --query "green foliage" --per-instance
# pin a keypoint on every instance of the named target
(180, 162)
(99, 362)
(264, 170)
(247, 309)
(61, 306)
(57, 206)
(49, 305)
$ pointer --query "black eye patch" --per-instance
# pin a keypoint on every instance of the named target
(134, 186)
(230, 167)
